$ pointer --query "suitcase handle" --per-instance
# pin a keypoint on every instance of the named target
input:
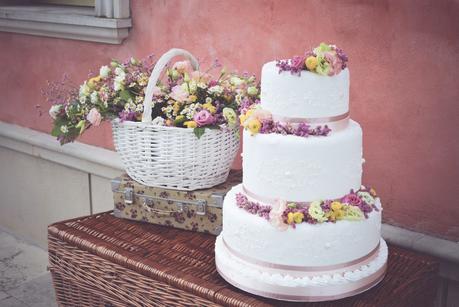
(181, 207)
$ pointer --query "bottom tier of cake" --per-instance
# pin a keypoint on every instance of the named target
(305, 284)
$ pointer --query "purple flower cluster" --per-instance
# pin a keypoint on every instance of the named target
(252, 207)
(301, 129)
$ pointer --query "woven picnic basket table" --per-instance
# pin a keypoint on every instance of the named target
(101, 260)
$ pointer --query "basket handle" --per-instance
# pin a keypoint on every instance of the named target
(155, 74)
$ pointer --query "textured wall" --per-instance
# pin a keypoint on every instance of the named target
(404, 79)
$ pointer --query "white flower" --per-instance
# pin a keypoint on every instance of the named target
(82, 99)
(54, 110)
(118, 83)
(64, 129)
(104, 72)
(366, 197)
(94, 97)
(217, 89)
(120, 72)
(84, 90)
(252, 91)
(139, 108)
(158, 121)
(236, 81)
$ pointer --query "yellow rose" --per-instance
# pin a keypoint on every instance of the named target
(192, 98)
(254, 126)
(209, 107)
(249, 113)
(295, 217)
(311, 62)
(92, 82)
(336, 205)
(190, 124)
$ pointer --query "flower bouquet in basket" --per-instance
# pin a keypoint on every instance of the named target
(174, 126)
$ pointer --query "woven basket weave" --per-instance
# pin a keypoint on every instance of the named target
(101, 260)
(173, 157)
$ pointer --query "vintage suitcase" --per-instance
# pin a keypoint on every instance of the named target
(199, 210)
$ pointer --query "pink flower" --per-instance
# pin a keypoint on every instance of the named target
(297, 63)
(182, 66)
(352, 199)
(200, 76)
(179, 94)
(203, 118)
(94, 117)
(275, 216)
(157, 91)
(261, 114)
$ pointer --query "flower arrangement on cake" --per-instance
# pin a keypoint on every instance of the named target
(186, 98)
(354, 206)
(326, 60)
(257, 120)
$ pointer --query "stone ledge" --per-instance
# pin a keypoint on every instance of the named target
(63, 22)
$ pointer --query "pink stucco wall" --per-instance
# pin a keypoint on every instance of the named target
(404, 80)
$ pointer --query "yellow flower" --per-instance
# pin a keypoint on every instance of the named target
(192, 98)
(373, 192)
(254, 126)
(176, 108)
(209, 107)
(311, 62)
(92, 82)
(336, 205)
(295, 217)
(242, 119)
(353, 213)
(249, 113)
(190, 124)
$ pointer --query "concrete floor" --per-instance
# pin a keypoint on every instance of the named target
(24, 280)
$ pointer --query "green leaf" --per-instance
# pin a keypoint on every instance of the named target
(199, 131)
(125, 95)
(56, 130)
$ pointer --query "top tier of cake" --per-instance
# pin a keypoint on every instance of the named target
(309, 95)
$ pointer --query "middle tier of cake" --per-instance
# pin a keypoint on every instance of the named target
(294, 168)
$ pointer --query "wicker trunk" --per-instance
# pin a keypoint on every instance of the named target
(101, 260)
(199, 210)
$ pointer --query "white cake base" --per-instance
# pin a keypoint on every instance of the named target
(311, 284)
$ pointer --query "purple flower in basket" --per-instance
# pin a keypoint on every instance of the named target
(203, 118)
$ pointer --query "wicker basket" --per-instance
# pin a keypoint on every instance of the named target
(105, 261)
(173, 157)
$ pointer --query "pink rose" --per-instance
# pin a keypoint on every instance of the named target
(200, 76)
(261, 114)
(94, 117)
(275, 216)
(182, 66)
(157, 91)
(203, 118)
(297, 63)
(179, 94)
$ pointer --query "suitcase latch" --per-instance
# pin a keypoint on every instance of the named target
(128, 196)
(201, 207)
(146, 201)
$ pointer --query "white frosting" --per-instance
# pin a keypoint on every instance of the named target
(307, 245)
(309, 95)
(247, 273)
(303, 169)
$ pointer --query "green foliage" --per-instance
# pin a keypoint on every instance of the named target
(199, 131)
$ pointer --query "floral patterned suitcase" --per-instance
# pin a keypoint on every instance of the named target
(199, 210)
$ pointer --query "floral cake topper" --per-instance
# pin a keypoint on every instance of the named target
(326, 60)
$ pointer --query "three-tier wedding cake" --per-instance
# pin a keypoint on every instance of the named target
(301, 227)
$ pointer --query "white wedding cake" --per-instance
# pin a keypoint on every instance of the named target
(301, 227)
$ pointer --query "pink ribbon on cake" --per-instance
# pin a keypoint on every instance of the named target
(335, 123)
(304, 270)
